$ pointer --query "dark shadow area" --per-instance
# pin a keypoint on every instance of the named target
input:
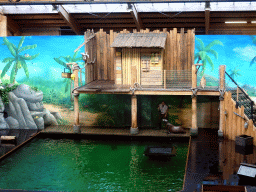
(214, 161)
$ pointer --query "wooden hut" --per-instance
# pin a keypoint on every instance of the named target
(141, 63)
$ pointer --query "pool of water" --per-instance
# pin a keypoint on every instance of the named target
(91, 165)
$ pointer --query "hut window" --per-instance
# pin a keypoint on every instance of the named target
(145, 62)
(154, 58)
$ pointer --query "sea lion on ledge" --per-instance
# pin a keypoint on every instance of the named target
(173, 129)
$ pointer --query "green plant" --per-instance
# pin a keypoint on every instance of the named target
(4, 92)
(202, 54)
(18, 60)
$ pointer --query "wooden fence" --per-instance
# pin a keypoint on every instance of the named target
(178, 53)
(234, 125)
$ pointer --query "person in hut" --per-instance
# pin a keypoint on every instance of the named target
(163, 113)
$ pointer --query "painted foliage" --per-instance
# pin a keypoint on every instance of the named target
(38, 61)
(237, 52)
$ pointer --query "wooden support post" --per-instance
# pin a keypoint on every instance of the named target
(164, 79)
(237, 92)
(222, 108)
(194, 129)
(76, 104)
(3, 26)
(134, 128)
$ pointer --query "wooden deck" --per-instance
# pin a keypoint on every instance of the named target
(109, 87)
(113, 131)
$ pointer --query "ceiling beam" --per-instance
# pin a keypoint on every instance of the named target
(136, 16)
(33, 16)
(207, 17)
(13, 27)
(71, 22)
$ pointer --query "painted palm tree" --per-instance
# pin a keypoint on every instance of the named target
(18, 59)
(254, 42)
(234, 73)
(63, 60)
(203, 51)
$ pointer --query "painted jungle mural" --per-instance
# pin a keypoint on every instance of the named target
(38, 62)
(237, 52)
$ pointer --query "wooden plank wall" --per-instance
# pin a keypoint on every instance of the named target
(234, 125)
(90, 48)
(178, 54)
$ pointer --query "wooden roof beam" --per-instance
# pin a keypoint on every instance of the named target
(207, 17)
(136, 16)
(13, 27)
(71, 22)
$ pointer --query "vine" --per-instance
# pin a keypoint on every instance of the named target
(4, 92)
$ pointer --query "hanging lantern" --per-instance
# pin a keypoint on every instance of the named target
(65, 74)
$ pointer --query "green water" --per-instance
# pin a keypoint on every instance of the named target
(89, 165)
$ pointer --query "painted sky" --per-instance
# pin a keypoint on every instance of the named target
(237, 52)
(49, 47)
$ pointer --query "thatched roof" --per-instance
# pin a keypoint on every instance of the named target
(140, 40)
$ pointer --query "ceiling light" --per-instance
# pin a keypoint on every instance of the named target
(235, 22)
(253, 21)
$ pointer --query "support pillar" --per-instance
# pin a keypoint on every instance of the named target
(222, 70)
(3, 26)
(76, 126)
(134, 128)
(194, 128)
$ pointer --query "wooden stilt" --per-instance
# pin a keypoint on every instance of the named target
(194, 129)
(134, 127)
(222, 108)
(76, 104)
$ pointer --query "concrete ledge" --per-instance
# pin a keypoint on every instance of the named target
(193, 132)
(220, 133)
(134, 131)
(76, 129)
